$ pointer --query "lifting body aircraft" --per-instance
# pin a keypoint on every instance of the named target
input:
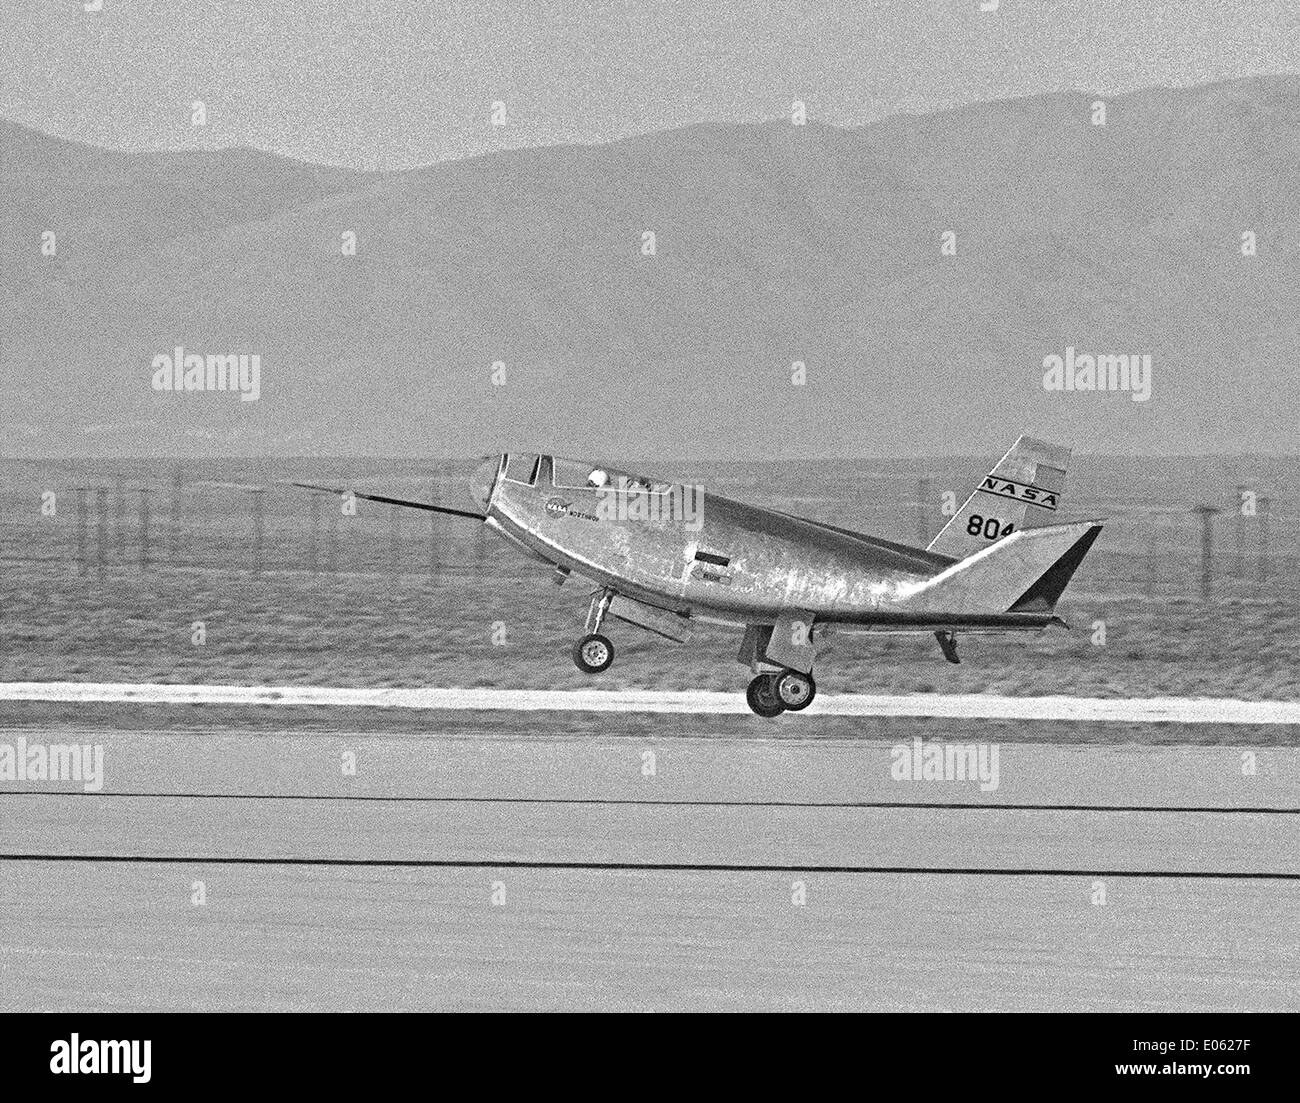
(663, 555)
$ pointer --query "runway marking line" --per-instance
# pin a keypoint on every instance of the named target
(644, 867)
(968, 706)
(668, 802)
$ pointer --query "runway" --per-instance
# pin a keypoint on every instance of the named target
(969, 706)
(663, 868)
(563, 940)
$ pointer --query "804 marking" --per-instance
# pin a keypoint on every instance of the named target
(988, 527)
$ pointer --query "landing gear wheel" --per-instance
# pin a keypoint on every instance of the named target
(593, 653)
(762, 698)
(794, 690)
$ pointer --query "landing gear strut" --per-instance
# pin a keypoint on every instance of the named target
(770, 695)
(594, 652)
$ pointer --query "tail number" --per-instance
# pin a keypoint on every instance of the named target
(988, 527)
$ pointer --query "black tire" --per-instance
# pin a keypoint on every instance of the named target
(588, 655)
(762, 699)
(786, 686)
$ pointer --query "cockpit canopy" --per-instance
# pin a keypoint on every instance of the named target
(532, 469)
(522, 467)
(579, 473)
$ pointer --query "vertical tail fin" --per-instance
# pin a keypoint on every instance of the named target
(1022, 491)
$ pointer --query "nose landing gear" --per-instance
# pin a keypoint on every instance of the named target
(594, 652)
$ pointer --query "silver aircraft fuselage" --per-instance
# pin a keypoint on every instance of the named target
(680, 548)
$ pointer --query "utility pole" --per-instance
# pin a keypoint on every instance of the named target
(119, 518)
(144, 527)
(101, 529)
(1152, 547)
(1263, 539)
(332, 550)
(433, 534)
(395, 541)
(1207, 547)
(174, 550)
(313, 544)
(1239, 525)
(923, 510)
(257, 492)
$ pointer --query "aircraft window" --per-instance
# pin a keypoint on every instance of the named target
(639, 483)
(571, 472)
(598, 478)
(521, 467)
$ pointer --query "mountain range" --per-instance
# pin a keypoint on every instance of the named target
(774, 245)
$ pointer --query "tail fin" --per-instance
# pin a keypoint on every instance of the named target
(1024, 573)
(1022, 492)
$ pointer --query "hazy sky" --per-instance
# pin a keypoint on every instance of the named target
(391, 83)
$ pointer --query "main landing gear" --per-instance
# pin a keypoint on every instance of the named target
(770, 695)
(594, 652)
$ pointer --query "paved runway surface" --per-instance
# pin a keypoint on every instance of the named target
(643, 868)
(970, 706)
